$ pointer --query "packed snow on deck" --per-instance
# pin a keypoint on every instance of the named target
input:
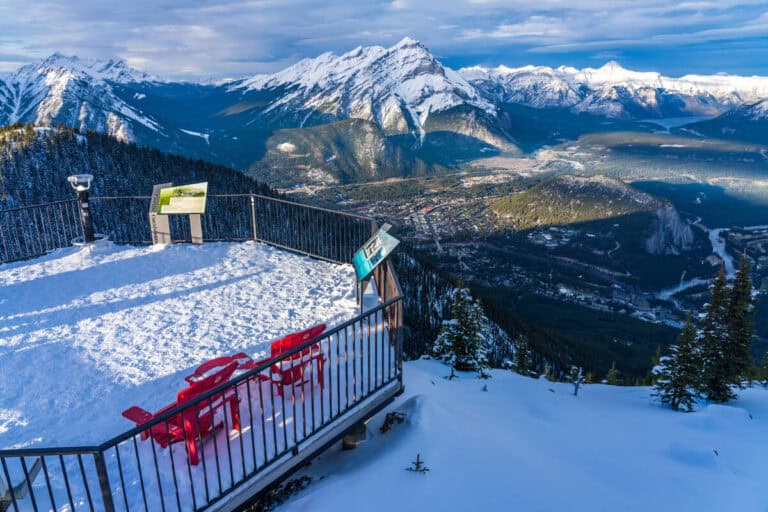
(530, 445)
(85, 335)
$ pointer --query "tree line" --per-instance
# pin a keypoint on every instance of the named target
(712, 357)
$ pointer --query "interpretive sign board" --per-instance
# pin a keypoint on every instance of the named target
(185, 199)
(373, 252)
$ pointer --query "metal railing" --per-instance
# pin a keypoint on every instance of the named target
(32, 231)
(362, 359)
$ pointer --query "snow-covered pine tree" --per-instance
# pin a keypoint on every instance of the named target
(740, 328)
(716, 368)
(461, 342)
(500, 346)
(612, 377)
(650, 379)
(523, 357)
(678, 375)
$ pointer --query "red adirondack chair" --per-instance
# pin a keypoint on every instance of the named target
(196, 422)
(290, 371)
(296, 370)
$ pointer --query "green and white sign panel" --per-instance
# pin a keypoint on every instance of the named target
(372, 253)
(185, 199)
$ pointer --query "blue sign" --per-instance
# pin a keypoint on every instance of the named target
(372, 253)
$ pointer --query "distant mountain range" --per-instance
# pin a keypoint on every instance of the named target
(615, 92)
(370, 113)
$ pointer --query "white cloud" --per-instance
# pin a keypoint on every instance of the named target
(236, 37)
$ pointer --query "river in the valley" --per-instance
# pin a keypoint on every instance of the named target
(717, 240)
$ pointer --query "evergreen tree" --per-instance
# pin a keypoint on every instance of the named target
(612, 377)
(764, 370)
(740, 328)
(461, 342)
(678, 375)
(650, 379)
(716, 367)
(522, 360)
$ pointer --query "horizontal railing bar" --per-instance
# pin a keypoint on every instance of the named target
(297, 251)
(318, 208)
(113, 198)
(44, 452)
(38, 206)
(268, 198)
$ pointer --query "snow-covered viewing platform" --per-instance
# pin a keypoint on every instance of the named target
(186, 376)
(87, 335)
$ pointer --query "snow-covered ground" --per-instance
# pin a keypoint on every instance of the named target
(85, 335)
(530, 445)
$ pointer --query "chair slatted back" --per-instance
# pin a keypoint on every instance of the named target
(292, 341)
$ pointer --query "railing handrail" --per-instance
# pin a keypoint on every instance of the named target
(48, 450)
(34, 230)
(261, 196)
(38, 205)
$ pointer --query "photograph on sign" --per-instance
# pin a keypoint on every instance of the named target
(373, 252)
(183, 199)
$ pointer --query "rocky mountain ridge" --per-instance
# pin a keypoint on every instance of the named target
(424, 113)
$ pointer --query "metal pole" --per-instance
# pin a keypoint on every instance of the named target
(253, 216)
(85, 215)
(82, 184)
(106, 492)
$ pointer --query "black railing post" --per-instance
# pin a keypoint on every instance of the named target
(106, 491)
(253, 217)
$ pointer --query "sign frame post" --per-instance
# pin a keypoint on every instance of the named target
(373, 253)
(195, 228)
(159, 224)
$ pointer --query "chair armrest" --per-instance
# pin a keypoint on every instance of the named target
(138, 415)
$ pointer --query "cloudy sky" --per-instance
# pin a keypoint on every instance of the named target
(197, 39)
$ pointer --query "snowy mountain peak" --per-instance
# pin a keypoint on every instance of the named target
(758, 111)
(408, 42)
(76, 92)
(612, 73)
(614, 67)
(114, 69)
(398, 88)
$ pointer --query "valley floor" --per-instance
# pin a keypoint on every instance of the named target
(530, 445)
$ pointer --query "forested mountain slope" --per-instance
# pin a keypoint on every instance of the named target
(35, 163)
